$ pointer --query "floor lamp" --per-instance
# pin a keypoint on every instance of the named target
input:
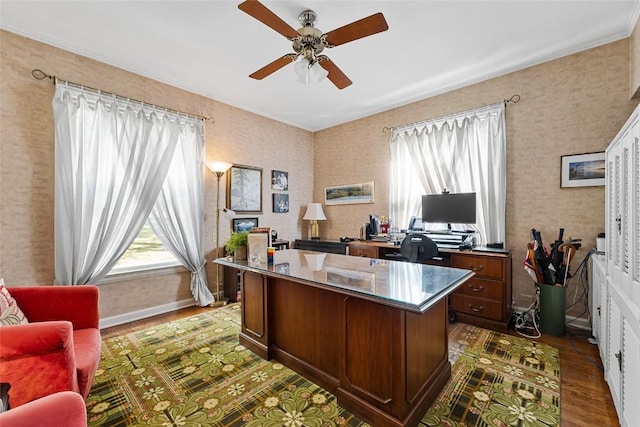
(218, 168)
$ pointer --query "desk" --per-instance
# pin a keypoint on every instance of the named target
(372, 332)
(485, 300)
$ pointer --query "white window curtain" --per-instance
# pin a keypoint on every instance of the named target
(464, 152)
(111, 161)
(178, 215)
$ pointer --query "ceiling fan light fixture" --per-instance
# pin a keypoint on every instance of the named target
(309, 42)
(319, 72)
(301, 68)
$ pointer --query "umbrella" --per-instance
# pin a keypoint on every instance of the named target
(542, 260)
(569, 251)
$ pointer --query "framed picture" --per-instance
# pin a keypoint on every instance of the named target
(280, 203)
(258, 241)
(243, 224)
(348, 194)
(582, 170)
(280, 180)
(244, 189)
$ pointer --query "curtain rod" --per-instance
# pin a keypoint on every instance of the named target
(514, 100)
(41, 75)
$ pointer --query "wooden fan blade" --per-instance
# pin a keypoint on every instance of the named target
(268, 18)
(336, 75)
(272, 67)
(356, 30)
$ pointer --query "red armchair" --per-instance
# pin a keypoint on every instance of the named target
(59, 349)
(63, 409)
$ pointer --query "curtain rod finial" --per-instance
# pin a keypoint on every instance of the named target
(514, 99)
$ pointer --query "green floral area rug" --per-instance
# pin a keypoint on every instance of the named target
(193, 372)
(497, 380)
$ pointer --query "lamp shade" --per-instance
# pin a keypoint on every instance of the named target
(314, 212)
(218, 166)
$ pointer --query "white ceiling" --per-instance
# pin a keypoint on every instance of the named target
(431, 47)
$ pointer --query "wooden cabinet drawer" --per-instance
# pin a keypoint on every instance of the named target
(484, 267)
(363, 251)
(482, 288)
(476, 306)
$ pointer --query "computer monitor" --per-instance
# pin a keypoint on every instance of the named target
(448, 208)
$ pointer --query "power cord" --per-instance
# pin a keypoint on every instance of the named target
(582, 272)
(526, 323)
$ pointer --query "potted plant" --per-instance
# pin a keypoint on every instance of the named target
(237, 244)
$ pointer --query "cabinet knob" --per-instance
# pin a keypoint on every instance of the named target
(478, 289)
(474, 269)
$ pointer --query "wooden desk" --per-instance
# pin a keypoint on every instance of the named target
(372, 333)
(485, 300)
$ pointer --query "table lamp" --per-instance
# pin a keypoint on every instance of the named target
(218, 168)
(314, 214)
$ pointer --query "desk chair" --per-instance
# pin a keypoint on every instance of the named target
(418, 248)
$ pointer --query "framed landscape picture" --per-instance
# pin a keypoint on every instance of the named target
(243, 224)
(244, 189)
(582, 170)
(350, 193)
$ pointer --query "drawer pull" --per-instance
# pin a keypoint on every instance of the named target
(476, 309)
(472, 268)
(478, 289)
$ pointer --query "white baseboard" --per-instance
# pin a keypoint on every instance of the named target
(120, 319)
(579, 323)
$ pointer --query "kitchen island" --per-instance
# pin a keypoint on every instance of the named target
(372, 332)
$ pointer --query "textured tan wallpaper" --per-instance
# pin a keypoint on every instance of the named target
(27, 167)
(571, 105)
(634, 62)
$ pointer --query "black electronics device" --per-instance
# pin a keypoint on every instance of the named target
(496, 245)
(448, 208)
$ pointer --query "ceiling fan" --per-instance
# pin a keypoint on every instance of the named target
(309, 42)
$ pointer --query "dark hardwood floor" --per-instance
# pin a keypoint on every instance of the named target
(585, 396)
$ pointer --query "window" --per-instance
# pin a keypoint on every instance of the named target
(462, 153)
(145, 253)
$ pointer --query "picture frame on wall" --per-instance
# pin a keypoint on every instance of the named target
(243, 224)
(349, 194)
(244, 189)
(280, 203)
(582, 170)
(279, 180)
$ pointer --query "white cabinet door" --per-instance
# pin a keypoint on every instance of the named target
(612, 207)
(634, 230)
(630, 372)
(598, 278)
(603, 341)
(614, 354)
